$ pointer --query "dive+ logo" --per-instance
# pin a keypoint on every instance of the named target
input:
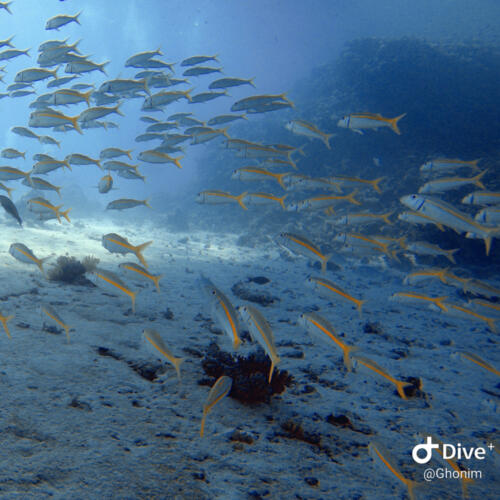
(447, 451)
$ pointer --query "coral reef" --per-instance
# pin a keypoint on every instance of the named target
(249, 375)
(70, 270)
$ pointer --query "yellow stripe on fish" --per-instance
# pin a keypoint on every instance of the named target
(4, 319)
(369, 363)
(54, 316)
(220, 389)
(115, 281)
(140, 271)
(331, 290)
(479, 361)
(315, 323)
(155, 339)
(300, 245)
(115, 243)
(219, 197)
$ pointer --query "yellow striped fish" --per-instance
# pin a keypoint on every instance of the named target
(300, 245)
(155, 339)
(220, 389)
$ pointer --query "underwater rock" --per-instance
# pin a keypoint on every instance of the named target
(70, 270)
(249, 375)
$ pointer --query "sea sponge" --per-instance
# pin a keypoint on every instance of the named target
(70, 270)
(249, 375)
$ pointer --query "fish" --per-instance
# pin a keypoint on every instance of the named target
(377, 452)
(479, 361)
(152, 156)
(140, 272)
(25, 132)
(418, 298)
(85, 66)
(200, 70)
(4, 319)
(424, 275)
(49, 118)
(164, 98)
(124, 203)
(105, 184)
(258, 174)
(448, 183)
(117, 166)
(43, 207)
(141, 57)
(113, 280)
(320, 328)
(223, 310)
(97, 112)
(41, 184)
(208, 135)
(191, 61)
(56, 22)
(23, 254)
(447, 164)
(215, 197)
(109, 153)
(361, 219)
(488, 216)
(46, 165)
(8, 190)
(257, 102)
(12, 174)
(224, 83)
(155, 339)
(115, 243)
(46, 139)
(6, 42)
(10, 208)
(30, 75)
(222, 119)
(261, 332)
(325, 201)
(264, 199)
(461, 311)
(482, 198)
(369, 363)
(131, 174)
(11, 53)
(311, 131)
(330, 290)
(54, 316)
(300, 245)
(424, 248)
(12, 153)
(161, 126)
(221, 388)
(358, 121)
(360, 240)
(299, 182)
(63, 97)
(62, 80)
(418, 218)
(5, 6)
(355, 182)
(447, 215)
(206, 96)
(79, 159)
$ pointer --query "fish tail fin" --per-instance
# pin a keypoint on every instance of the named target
(67, 329)
(491, 324)
(138, 252)
(202, 427)
(282, 201)
(58, 190)
(66, 162)
(250, 81)
(350, 198)
(326, 139)
(348, 349)
(146, 203)
(359, 306)
(76, 16)
(385, 218)
(375, 184)
(279, 178)
(54, 73)
(98, 163)
(450, 255)
(65, 213)
(400, 385)
(274, 361)
(156, 279)
(177, 161)
(477, 179)
(324, 262)
(187, 95)
(146, 87)
(27, 51)
(177, 365)
(117, 110)
(58, 213)
(239, 199)
(6, 7)
(24, 155)
(40, 263)
(394, 123)
(4, 324)
(86, 96)
(127, 152)
(439, 302)
(74, 122)
(132, 296)
(101, 67)
(7, 42)
(487, 243)
(236, 343)
(225, 134)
